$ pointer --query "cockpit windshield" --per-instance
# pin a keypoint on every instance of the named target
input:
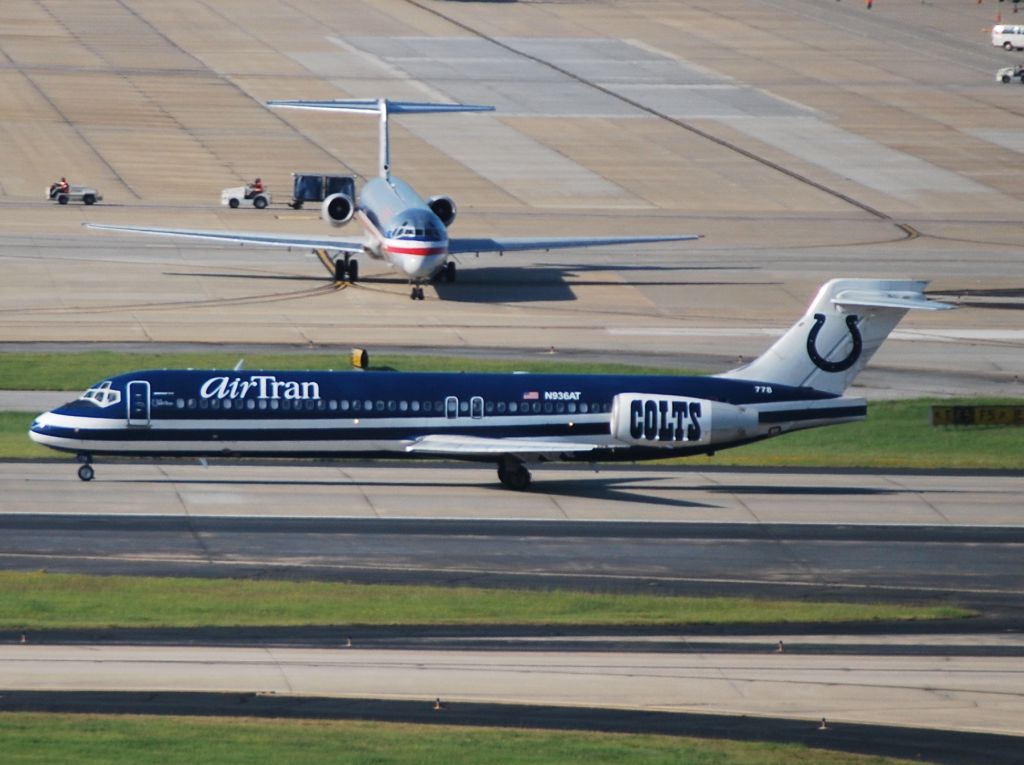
(101, 395)
(415, 224)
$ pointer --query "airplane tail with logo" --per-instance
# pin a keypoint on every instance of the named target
(381, 107)
(843, 327)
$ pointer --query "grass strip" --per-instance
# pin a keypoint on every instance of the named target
(77, 371)
(896, 434)
(14, 440)
(43, 739)
(40, 600)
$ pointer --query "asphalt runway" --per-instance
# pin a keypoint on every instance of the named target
(952, 748)
(848, 535)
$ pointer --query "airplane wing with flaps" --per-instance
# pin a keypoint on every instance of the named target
(240, 237)
(466, 446)
(461, 246)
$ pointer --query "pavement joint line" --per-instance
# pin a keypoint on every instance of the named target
(509, 519)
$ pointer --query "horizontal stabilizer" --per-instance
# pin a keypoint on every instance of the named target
(903, 300)
(381, 107)
(376, 106)
(475, 445)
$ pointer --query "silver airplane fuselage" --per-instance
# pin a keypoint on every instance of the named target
(401, 228)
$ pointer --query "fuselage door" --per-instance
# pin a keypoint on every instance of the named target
(138, 404)
(451, 407)
(476, 407)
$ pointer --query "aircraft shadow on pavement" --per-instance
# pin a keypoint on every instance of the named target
(266, 277)
(551, 283)
(508, 284)
(627, 490)
(830, 491)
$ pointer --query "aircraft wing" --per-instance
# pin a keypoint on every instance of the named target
(460, 246)
(241, 237)
(475, 445)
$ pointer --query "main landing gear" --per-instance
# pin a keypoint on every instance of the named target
(513, 474)
(85, 471)
(346, 269)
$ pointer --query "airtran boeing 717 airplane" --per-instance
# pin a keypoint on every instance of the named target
(408, 232)
(507, 419)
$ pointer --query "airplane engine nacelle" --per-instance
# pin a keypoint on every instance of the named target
(337, 209)
(675, 422)
(444, 208)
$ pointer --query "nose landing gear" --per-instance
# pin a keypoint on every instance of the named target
(346, 269)
(417, 292)
(85, 470)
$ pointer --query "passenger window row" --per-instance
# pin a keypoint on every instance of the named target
(391, 405)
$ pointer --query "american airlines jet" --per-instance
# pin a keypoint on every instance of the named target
(403, 229)
(510, 420)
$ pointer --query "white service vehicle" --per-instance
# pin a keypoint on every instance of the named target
(85, 194)
(1008, 73)
(238, 197)
(1008, 36)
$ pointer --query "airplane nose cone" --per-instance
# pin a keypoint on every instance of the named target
(40, 425)
(424, 268)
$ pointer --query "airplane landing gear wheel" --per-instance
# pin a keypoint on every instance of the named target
(449, 272)
(513, 474)
(417, 293)
(86, 473)
(353, 270)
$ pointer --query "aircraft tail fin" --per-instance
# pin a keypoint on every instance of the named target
(383, 108)
(845, 324)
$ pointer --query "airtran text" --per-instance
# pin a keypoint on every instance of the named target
(259, 387)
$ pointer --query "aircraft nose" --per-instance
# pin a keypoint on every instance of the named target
(425, 267)
(40, 425)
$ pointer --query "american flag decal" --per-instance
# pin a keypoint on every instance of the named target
(531, 395)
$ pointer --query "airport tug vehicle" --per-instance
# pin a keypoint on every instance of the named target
(87, 195)
(240, 196)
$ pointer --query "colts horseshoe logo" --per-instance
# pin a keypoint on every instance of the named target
(834, 366)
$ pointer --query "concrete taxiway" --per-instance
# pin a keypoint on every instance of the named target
(981, 694)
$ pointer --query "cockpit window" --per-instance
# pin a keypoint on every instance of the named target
(404, 231)
(102, 394)
(415, 224)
